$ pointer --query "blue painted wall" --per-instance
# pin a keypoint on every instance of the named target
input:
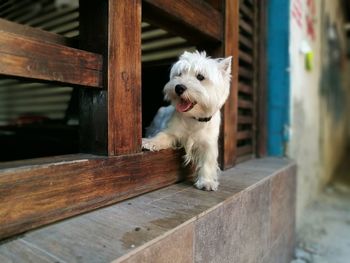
(278, 76)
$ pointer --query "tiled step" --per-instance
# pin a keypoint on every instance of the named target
(249, 219)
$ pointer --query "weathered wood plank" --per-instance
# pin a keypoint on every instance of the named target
(185, 16)
(124, 77)
(26, 57)
(33, 196)
(230, 110)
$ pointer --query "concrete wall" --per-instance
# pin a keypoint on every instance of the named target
(319, 94)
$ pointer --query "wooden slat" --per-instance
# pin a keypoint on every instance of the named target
(245, 26)
(245, 104)
(229, 126)
(26, 57)
(34, 33)
(124, 77)
(244, 158)
(38, 194)
(248, 58)
(243, 150)
(245, 73)
(242, 135)
(182, 16)
(246, 41)
(244, 88)
(245, 119)
(246, 12)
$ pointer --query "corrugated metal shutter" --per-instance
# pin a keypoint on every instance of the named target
(20, 98)
(158, 44)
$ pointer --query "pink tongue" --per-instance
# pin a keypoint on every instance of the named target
(183, 106)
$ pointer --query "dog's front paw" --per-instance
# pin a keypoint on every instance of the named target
(148, 144)
(208, 185)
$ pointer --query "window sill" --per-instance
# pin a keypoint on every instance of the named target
(251, 215)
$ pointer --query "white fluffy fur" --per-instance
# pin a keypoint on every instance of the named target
(199, 139)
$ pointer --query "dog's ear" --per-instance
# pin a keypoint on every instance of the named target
(225, 64)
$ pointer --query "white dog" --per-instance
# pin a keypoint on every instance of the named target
(198, 88)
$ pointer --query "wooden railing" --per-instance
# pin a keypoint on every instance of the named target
(106, 66)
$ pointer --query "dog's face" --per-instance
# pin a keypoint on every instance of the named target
(198, 85)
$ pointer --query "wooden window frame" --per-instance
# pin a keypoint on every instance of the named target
(107, 67)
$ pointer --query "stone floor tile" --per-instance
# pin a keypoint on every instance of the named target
(217, 234)
(176, 247)
(283, 201)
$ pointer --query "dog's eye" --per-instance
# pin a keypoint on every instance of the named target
(200, 77)
(179, 75)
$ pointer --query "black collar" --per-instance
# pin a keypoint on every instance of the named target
(206, 119)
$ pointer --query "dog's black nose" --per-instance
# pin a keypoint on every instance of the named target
(179, 89)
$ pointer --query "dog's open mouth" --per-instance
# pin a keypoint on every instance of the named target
(184, 105)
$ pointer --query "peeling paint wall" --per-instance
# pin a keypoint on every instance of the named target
(319, 94)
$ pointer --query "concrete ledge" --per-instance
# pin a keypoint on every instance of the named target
(250, 219)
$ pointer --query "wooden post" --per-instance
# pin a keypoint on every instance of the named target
(111, 119)
(124, 77)
(229, 111)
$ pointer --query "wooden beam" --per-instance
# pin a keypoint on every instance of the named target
(39, 194)
(230, 110)
(26, 57)
(190, 19)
